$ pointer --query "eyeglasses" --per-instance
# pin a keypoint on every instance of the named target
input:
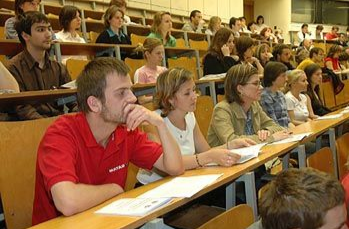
(257, 83)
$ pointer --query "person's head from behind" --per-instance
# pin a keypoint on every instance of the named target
(104, 89)
(260, 20)
(262, 52)
(307, 43)
(195, 17)
(334, 51)
(244, 48)
(296, 81)
(153, 51)
(316, 54)
(305, 28)
(319, 29)
(162, 22)
(34, 30)
(22, 6)
(175, 91)
(242, 84)
(121, 4)
(214, 23)
(252, 26)
(274, 75)
(303, 198)
(223, 36)
(314, 76)
(342, 37)
(343, 57)
(235, 24)
(70, 18)
(301, 55)
(113, 17)
(282, 53)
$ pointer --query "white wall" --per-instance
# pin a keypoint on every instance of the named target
(222, 8)
(275, 13)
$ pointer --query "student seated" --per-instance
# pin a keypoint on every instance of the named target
(244, 48)
(195, 24)
(70, 21)
(121, 4)
(240, 115)
(273, 99)
(161, 29)
(219, 55)
(302, 198)
(235, 26)
(82, 159)
(332, 61)
(314, 78)
(282, 53)
(21, 6)
(113, 20)
(263, 54)
(33, 69)
(316, 55)
(214, 25)
(175, 100)
(298, 105)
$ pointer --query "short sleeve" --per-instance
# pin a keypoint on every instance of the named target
(289, 103)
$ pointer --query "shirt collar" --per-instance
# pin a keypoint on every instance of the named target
(111, 33)
(31, 61)
(240, 114)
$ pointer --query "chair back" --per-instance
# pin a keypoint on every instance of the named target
(93, 36)
(18, 151)
(180, 43)
(2, 32)
(188, 63)
(75, 67)
(199, 45)
(239, 217)
(134, 64)
(203, 113)
(137, 39)
(342, 145)
(322, 160)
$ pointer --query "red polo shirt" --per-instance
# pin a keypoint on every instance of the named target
(69, 152)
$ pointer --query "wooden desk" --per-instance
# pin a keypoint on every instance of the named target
(88, 219)
(10, 47)
(30, 97)
(136, 29)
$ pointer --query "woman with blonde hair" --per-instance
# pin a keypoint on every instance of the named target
(153, 52)
(298, 104)
(213, 25)
(161, 29)
(113, 20)
(175, 100)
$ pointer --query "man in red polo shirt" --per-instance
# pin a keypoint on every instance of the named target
(83, 158)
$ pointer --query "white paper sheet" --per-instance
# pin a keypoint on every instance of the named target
(181, 186)
(334, 116)
(247, 153)
(70, 84)
(133, 206)
(293, 138)
(213, 76)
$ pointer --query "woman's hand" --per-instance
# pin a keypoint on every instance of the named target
(223, 157)
(280, 135)
(263, 135)
(240, 143)
(225, 50)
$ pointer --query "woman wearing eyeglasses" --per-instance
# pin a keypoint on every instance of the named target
(240, 114)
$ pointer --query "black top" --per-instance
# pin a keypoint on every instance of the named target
(109, 37)
(214, 65)
(318, 107)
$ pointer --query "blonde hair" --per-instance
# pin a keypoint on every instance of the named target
(157, 21)
(213, 20)
(293, 77)
(167, 84)
(148, 45)
(110, 13)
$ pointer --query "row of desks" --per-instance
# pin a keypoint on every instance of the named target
(88, 219)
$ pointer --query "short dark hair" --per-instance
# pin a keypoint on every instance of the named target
(319, 27)
(260, 17)
(277, 50)
(92, 81)
(299, 198)
(316, 51)
(18, 3)
(232, 21)
(193, 13)
(242, 44)
(272, 70)
(26, 21)
(118, 3)
(304, 25)
(67, 14)
(237, 75)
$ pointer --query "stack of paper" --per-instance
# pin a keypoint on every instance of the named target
(293, 138)
(70, 84)
(213, 76)
(133, 206)
(247, 153)
(334, 116)
(181, 186)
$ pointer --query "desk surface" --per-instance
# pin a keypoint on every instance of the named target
(29, 97)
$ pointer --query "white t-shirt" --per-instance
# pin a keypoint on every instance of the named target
(299, 107)
(185, 140)
(62, 36)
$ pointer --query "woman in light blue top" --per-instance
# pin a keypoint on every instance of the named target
(175, 99)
